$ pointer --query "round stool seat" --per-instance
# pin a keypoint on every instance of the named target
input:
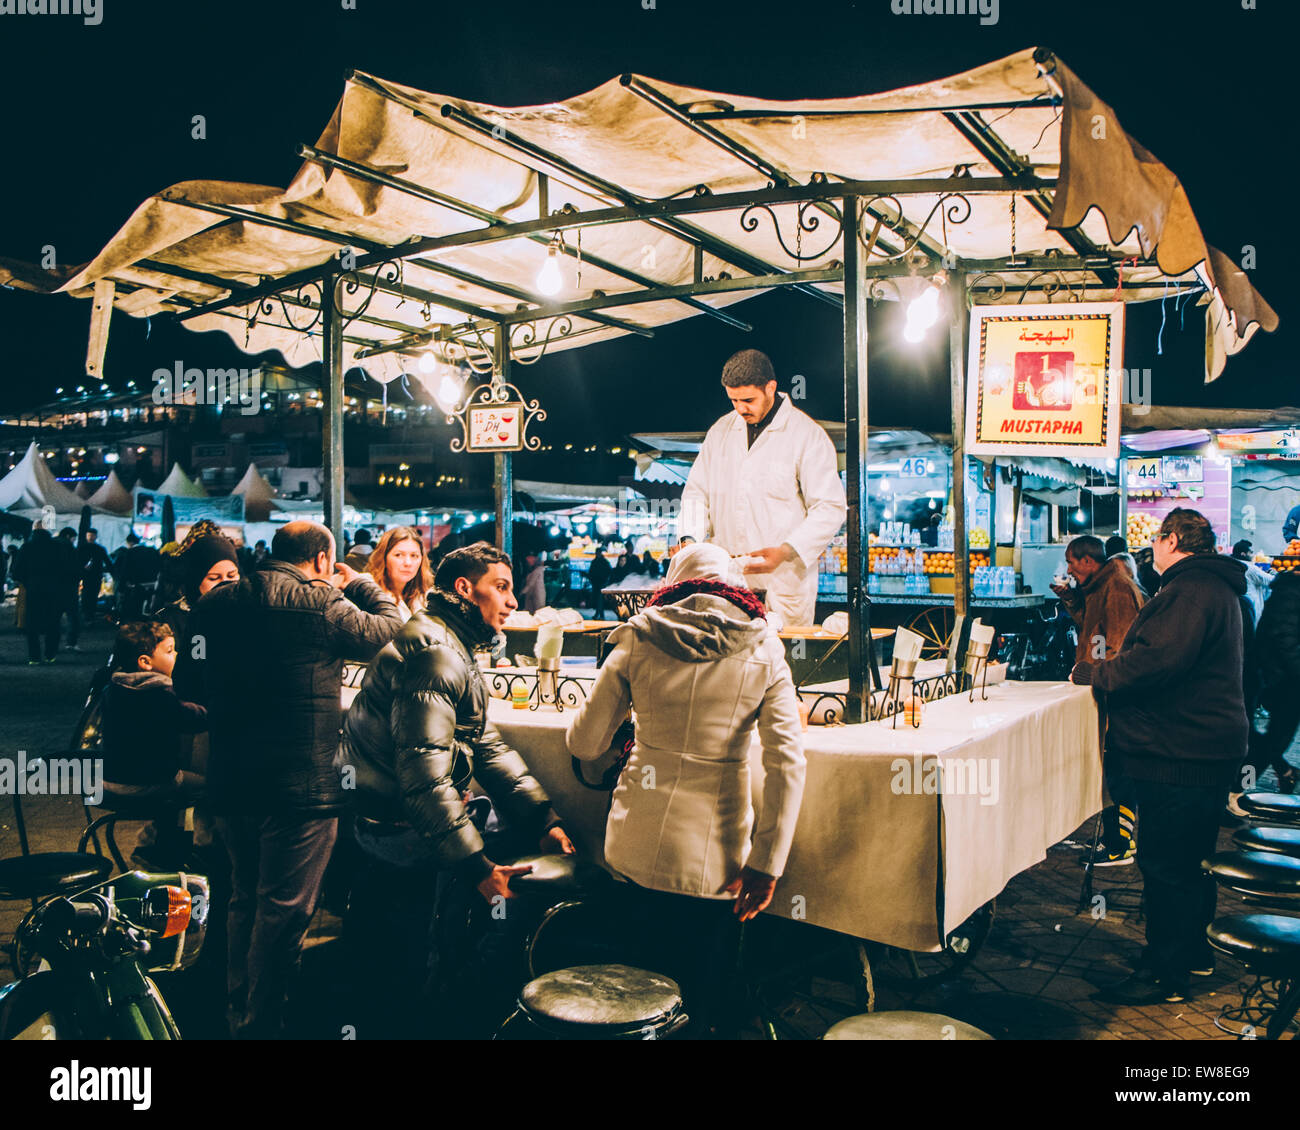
(601, 1000)
(1263, 837)
(50, 873)
(1282, 807)
(561, 875)
(903, 1025)
(1268, 943)
(1256, 872)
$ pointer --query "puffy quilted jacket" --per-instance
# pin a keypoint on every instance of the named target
(418, 730)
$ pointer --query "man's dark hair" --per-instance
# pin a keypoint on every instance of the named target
(1116, 545)
(1193, 530)
(746, 368)
(131, 539)
(1241, 551)
(471, 562)
(1087, 546)
(301, 545)
(137, 639)
(362, 538)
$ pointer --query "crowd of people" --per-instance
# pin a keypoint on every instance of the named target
(1179, 667)
(228, 700)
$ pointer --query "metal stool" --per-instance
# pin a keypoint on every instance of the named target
(1273, 808)
(1269, 946)
(1266, 838)
(597, 1002)
(903, 1025)
(30, 877)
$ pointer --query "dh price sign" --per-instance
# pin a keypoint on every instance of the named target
(496, 427)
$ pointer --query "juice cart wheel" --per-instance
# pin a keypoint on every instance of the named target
(935, 625)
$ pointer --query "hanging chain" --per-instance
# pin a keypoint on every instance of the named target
(578, 283)
(798, 234)
(1013, 227)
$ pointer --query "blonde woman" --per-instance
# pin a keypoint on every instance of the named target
(401, 566)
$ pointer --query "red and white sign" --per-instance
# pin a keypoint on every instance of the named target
(496, 427)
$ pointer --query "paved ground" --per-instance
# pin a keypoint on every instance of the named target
(1032, 979)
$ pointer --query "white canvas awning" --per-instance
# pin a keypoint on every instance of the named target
(259, 496)
(478, 190)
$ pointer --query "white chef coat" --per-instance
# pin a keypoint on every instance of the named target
(785, 489)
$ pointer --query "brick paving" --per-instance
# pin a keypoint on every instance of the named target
(1033, 978)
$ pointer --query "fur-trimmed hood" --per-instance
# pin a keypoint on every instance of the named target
(463, 618)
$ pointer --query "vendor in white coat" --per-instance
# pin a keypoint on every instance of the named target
(766, 485)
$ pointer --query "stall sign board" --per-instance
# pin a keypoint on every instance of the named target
(1045, 379)
(496, 427)
(1182, 469)
(1287, 440)
(1143, 473)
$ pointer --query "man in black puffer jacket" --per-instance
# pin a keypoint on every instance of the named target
(1177, 721)
(418, 730)
(1277, 646)
(266, 657)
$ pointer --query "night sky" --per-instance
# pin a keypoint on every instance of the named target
(97, 118)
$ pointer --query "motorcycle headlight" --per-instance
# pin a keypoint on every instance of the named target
(177, 915)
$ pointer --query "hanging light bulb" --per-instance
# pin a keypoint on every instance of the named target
(923, 311)
(549, 279)
(428, 362)
(450, 389)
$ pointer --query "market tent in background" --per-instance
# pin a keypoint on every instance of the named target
(85, 489)
(179, 485)
(31, 487)
(112, 496)
(258, 494)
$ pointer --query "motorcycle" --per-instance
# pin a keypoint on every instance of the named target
(85, 959)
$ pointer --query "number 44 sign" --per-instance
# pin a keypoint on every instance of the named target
(496, 427)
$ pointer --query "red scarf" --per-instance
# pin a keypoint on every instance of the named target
(743, 599)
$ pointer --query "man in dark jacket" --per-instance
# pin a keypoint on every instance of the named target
(1277, 648)
(1177, 724)
(418, 730)
(93, 563)
(39, 569)
(1103, 606)
(266, 658)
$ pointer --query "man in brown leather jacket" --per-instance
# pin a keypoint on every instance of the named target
(1103, 606)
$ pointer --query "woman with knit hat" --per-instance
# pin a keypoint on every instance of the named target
(702, 669)
(205, 562)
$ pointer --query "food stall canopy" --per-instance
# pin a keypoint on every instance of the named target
(660, 202)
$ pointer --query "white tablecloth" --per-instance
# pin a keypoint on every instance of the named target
(1007, 778)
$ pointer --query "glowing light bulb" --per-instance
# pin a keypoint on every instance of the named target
(428, 362)
(549, 279)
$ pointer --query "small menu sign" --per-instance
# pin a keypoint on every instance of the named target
(496, 427)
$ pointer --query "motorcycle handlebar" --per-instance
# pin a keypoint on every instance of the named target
(81, 919)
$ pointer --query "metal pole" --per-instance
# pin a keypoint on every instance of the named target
(855, 461)
(503, 472)
(332, 407)
(958, 331)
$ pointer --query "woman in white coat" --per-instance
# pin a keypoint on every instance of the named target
(701, 669)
